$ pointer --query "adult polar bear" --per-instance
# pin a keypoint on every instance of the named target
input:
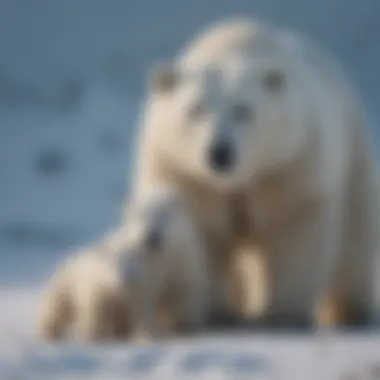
(250, 115)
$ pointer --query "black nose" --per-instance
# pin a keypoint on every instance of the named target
(153, 239)
(221, 157)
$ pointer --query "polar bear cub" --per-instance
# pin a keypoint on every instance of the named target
(86, 298)
(165, 265)
(153, 266)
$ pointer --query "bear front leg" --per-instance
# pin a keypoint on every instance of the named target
(192, 306)
(146, 323)
(301, 255)
(57, 312)
(92, 323)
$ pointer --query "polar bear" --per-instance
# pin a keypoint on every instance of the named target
(150, 276)
(86, 297)
(268, 140)
(166, 266)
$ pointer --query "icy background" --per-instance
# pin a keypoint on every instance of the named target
(72, 75)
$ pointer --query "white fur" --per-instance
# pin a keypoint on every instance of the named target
(175, 273)
(86, 298)
(302, 162)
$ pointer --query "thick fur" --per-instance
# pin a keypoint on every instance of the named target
(171, 276)
(303, 186)
(86, 298)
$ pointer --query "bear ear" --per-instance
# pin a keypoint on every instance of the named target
(274, 80)
(163, 78)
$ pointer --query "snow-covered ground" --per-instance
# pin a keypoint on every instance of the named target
(227, 356)
(71, 74)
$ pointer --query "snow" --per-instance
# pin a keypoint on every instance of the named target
(71, 80)
(225, 356)
(239, 356)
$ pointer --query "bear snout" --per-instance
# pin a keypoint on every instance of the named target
(221, 157)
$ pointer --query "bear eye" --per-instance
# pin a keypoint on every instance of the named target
(242, 113)
(197, 111)
(153, 240)
(274, 81)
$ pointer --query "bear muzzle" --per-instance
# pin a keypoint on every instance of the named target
(221, 157)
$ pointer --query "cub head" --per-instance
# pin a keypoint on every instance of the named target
(153, 236)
